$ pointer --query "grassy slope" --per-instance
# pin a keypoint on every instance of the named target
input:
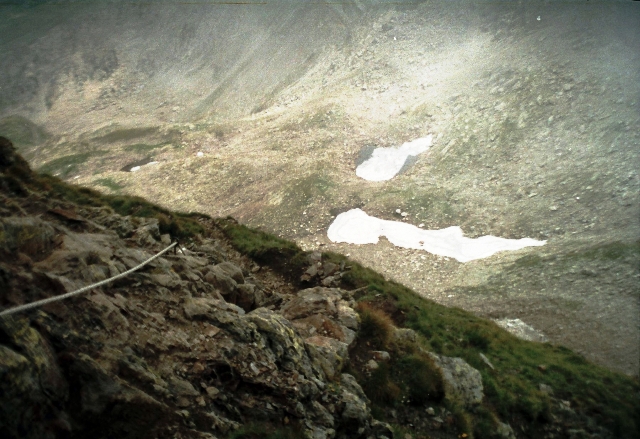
(512, 388)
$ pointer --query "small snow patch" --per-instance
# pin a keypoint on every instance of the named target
(521, 330)
(385, 163)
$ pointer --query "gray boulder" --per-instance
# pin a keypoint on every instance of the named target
(462, 383)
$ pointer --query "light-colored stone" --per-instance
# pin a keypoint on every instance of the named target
(462, 383)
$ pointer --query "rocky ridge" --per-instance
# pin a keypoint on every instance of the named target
(199, 343)
(192, 345)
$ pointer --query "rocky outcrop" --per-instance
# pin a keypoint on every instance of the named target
(191, 345)
(462, 383)
(323, 311)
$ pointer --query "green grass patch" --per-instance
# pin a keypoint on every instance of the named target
(323, 118)
(612, 251)
(302, 191)
(69, 164)
(255, 243)
(608, 252)
(178, 224)
(109, 183)
(283, 256)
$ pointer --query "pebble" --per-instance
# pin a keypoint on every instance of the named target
(372, 365)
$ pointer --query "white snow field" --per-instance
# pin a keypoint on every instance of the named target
(356, 227)
(385, 163)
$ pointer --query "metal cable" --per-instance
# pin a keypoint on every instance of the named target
(31, 305)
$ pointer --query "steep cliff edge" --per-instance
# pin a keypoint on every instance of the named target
(239, 334)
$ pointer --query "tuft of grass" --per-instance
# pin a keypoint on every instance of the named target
(375, 326)
(380, 387)
(420, 377)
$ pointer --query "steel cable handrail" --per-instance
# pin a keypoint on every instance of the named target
(31, 305)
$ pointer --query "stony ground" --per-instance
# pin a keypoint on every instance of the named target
(534, 109)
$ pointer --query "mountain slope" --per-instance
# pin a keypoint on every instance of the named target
(533, 121)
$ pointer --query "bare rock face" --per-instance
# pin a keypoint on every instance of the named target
(219, 278)
(328, 354)
(104, 402)
(231, 270)
(323, 311)
(32, 383)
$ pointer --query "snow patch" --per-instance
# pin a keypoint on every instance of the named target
(356, 227)
(385, 163)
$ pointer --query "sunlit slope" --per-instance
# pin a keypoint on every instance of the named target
(68, 63)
